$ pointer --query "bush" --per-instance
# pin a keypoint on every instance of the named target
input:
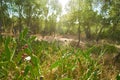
(107, 47)
(109, 34)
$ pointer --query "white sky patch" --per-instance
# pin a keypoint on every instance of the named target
(63, 2)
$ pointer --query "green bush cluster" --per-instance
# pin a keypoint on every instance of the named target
(105, 47)
(110, 34)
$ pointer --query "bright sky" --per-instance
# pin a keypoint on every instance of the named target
(63, 2)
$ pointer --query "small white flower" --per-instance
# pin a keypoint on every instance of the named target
(28, 58)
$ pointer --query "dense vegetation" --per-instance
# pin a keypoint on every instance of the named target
(24, 58)
(92, 25)
(97, 19)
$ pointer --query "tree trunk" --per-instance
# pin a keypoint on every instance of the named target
(29, 17)
(87, 32)
(20, 19)
(99, 33)
(79, 32)
(1, 20)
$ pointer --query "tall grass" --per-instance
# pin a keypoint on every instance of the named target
(47, 61)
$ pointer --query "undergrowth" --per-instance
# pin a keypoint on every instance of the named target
(23, 58)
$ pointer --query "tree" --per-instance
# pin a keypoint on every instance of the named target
(4, 16)
(54, 11)
(109, 12)
(84, 15)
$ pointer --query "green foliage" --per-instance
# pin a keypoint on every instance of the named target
(1, 39)
(106, 47)
(118, 77)
(111, 35)
(27, 68)
(11, 58)
(41, 16)
(25, 58)
(79, 63)
(115, 35)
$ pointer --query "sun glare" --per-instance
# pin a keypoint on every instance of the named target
(63, 3)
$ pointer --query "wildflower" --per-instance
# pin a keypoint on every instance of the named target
(28, 58)
(24, 56)
(26, 46)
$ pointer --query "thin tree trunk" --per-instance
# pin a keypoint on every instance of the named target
(29, 17)
(87, 32)
(3, 18)
(79, 35)
(1, 21)
(20, 19)
(98, 36)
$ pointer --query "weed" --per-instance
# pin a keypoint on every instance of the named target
(24, 58)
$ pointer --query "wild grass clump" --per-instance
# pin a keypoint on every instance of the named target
(24, 58)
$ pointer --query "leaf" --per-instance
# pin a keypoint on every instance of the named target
(35, 60)
(20, 78)
(7, 41)
(25, 31)
(12, 54)
(26, 70)
(23, 34)
(3, 63)
(32, 38)
(118, 77)
(7, 50)
(56, 64)
(3, 73)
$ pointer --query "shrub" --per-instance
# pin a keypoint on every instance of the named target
(107, 47)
